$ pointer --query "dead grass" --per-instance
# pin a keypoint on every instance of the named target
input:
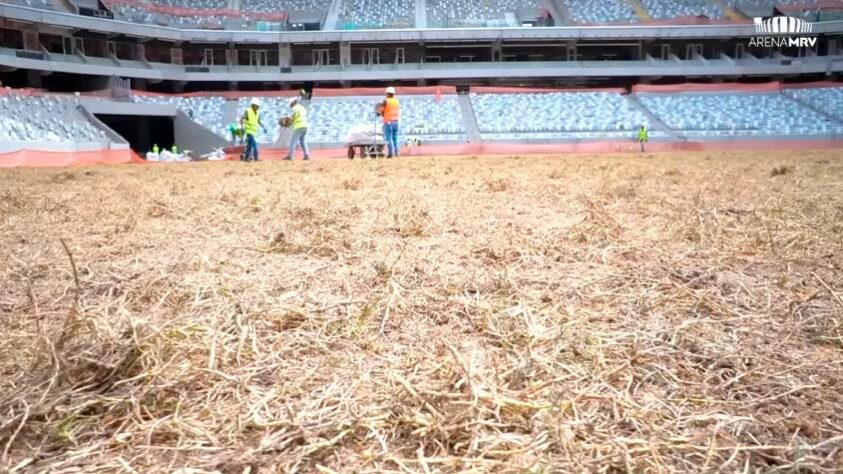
(668, 314)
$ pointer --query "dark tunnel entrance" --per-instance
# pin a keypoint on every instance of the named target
(142, 132)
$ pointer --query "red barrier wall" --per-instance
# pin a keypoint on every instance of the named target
(730, 87)
(540, 90)
(35, 159)
(379, 91)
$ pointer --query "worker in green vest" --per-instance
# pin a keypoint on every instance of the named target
(249, 122)
(155, 149)
(174, 150)
(643, 136)
(299, 125)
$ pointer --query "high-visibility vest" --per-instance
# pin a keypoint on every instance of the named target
(299, 117)
(175, 150)
(643, 135)
(252, 121)
(391, 112)
(155, 149)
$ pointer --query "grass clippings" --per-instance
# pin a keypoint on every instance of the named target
(680, 313)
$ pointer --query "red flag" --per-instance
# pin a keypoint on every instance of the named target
(438, 96)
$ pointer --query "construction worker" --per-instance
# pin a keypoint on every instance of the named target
(155, 149)
(174, 149)
(643, 136)
(390, 110)
(299, 126)
(249, 122)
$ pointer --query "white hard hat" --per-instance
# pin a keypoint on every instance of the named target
(293, 100)
(256, 101)
(390, 90)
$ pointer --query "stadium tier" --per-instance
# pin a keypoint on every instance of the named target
(706, 115)
(478, 14)
(514, 117)
(375, 14)
(563, 115)
(48, 119)
(606, 11)
(402, 14)
(667, 9)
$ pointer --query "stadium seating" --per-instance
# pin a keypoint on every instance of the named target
(50, 119)
(825, 99)
(206, 111)
(421, 117)
(40, 4)
(471, 13)
(741, 114)
(374, 14)
(192, 4)
(567, 115)
(604, 11)
(274, 6)
(666, 9)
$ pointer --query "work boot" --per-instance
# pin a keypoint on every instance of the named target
(288, 158)
(306, 158)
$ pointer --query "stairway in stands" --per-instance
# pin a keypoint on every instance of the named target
(640, 11)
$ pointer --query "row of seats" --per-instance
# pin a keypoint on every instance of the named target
(738, 114)
(604, 11)
(556, 113)
(825, 99)
(489, 13)
(666, 9)
(374, 14)
(192, 4)
(275, 6)
(45, 119)
(421, 117)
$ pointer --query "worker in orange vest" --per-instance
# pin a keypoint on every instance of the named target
(390, 110)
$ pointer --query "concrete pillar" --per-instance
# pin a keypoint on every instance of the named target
(285, 55)
(345, 53)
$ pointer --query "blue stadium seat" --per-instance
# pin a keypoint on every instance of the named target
(737, 114)
(557, 115)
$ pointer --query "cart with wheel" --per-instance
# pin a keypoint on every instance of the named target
(366, 141)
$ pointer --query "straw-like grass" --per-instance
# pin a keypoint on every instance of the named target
(543, 314)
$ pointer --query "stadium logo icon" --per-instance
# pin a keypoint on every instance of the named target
(782, 25)
(783, 32)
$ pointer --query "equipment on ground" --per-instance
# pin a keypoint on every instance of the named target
(366, 141)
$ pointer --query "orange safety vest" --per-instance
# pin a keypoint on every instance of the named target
(391, 111)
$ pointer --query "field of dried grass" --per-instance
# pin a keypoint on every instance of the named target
(665, 313)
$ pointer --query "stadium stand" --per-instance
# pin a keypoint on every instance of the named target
(667, 9)
(375, 14)
(605, 11)
(274, 6)
(206, 111)
(826, 99)
(557, 115)
(719, 115)
(421, 117)
(40, 4)
(469, 13)
(193, 4)
(50, 119)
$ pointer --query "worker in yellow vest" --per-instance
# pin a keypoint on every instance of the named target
(250, 122)
(390, 110)
(298, 122)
